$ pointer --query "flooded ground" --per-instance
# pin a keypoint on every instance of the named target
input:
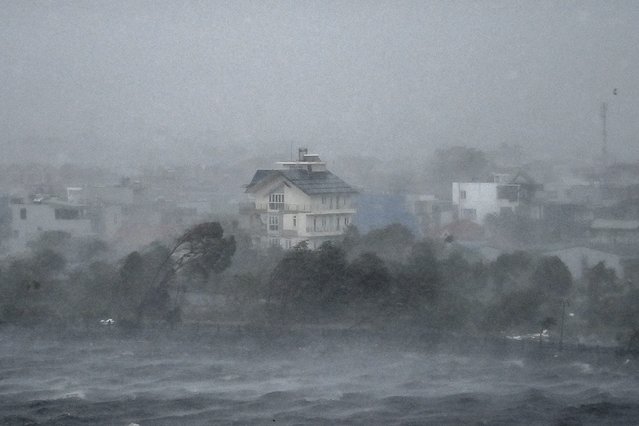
(171, 379)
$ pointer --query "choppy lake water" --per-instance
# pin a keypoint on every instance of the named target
(173, 380)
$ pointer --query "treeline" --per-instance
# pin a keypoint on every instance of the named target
(383, 279)
(388, 278)
(81, 281)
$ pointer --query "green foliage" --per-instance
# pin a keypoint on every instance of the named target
(92, 290)
(385, 276)
(552, 276)
(202, 250)
(134, 282)
(604, 302)
(330, 274)
(48, 261)
(513, 309)
(511, 270)
(351, 238)
(30, 287)
(52, 240)
(424, 274)
(367, 278)
(91, 248)
(601, 281)
(391, 243)
(291, 282)
(548, 322)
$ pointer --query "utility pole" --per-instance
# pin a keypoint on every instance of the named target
(563, 320)
(604, 130)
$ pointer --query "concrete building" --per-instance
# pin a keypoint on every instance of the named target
(502, 194)
(432, 214)
(32, 217)
(301, 201)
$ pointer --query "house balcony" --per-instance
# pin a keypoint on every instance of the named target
(323, 231)
(328, 211)
(273, 207)
(251, 207)
(289, 233)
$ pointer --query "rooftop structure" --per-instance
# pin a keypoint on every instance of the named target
(301, 201)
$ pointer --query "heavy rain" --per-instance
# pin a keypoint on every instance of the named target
(320, 212)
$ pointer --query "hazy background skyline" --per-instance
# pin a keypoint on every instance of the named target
(166, 82)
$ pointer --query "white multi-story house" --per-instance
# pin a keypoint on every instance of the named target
(32, 217)
(503, 194)
(302, 201)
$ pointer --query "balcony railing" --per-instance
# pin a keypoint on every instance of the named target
(284, 207)
(264, 207)
(323, 230)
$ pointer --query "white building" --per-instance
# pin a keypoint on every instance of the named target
(302, 201)
(32, 218)
(504, 194)
(106, 194)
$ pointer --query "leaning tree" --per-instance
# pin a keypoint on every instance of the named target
(201, 250)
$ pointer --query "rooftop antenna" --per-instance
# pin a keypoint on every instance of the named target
(604, 148)
(604, 131)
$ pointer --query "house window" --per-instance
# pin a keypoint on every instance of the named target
(338, 223)
(462, 195)
(508, 192)
(66, 214)
(274, 242)
(294, 221)
(273, 223)
(346, 221)
(23, 213)
(323, 199)
(288, 244)
(314, 224)
(324, 223)
(276, 201)
(470, 214)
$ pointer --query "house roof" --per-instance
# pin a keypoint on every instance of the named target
(311, 183)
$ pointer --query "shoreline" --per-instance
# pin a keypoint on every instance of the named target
(269, 338)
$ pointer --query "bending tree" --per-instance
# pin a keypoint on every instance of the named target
(203, 250)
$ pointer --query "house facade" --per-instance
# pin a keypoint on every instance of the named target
(503, 194)
(32, 217)
(301, 201)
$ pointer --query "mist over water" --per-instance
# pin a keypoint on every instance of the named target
(204, 377)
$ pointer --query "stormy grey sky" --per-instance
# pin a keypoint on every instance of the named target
(130, 80)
